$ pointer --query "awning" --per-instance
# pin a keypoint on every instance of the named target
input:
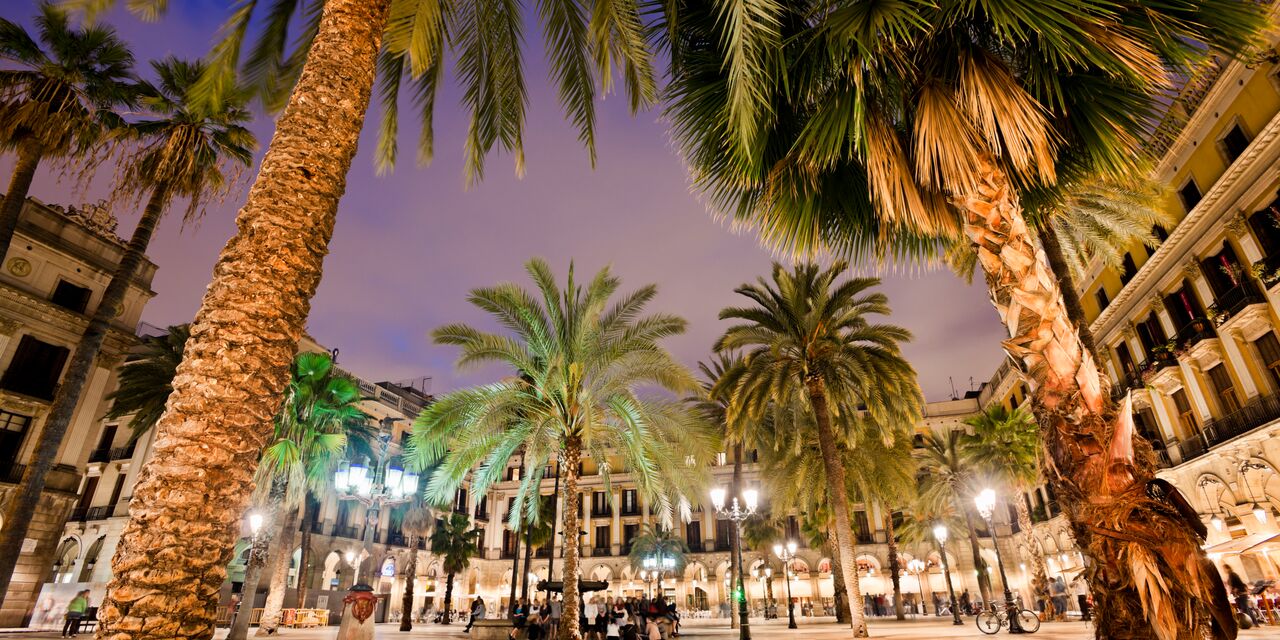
(1241, 545)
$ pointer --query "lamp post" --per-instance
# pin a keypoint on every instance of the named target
(382, 486)
(986, 503)
(255, 520)
(786, 555)
(737, 512)
(917, 567)
(940, 534)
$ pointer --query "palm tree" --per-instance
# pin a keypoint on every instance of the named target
(144, 383)
(454, 542)
(1005, 449)
(889, 134)
(580, 363)
(810, 343)
(182, 152)
(1093, 218)
(714, 405)
(415, 522)
(659, 543)
(948, 476)
(58, 101)
(266, 275)
(320, 421)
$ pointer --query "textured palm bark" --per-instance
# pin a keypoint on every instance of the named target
(528, 563)
(1039, 576)
(304, 557)
(248, 593)
(448, 600)
(1066, 286)
(841, 595)
(410, 573)
(735, 488)
(1150, 578)
(569, 628)
(979, 564)
(190, 499)
(26, 497)
(895, 568)
(24, 171)
(278, 570)
(839, 500)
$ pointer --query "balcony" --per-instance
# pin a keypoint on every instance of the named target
(1232, 302)
(101, 454)
(396, 539)
(1267, 270)
(125, 452)
(507, 554)
(864, 537)
(605, 512)
(317, 527)
(600, 551)
(99, 513)
(696, 546)
(1195, 332)
(346, 531)
(482, 516)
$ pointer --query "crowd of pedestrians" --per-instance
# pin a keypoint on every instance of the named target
(602, 618)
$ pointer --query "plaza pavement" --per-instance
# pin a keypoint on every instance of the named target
(921, 629)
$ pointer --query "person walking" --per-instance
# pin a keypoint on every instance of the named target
(1239, 591)
(1081, 590)
(557, 608)
(1058, 591)
(75, 613)
(588, 619)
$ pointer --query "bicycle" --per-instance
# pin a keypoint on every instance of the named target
(992, 619)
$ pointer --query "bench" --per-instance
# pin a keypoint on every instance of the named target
(492, 629)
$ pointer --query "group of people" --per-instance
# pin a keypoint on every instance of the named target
(606, 618)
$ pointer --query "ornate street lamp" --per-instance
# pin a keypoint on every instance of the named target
(940, 534)
(986, 503)
(737, 512)
(917, 567)
(786, 555)
(382, 486)
(255, 520)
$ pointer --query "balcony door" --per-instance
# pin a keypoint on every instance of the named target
(1266, 228)
(1228, 401)
(13, 432)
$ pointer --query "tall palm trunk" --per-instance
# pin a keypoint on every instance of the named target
(569, 617)
(1039, 577)
(448, 599)
(24, 171)
(410, 575)
(895, 568)
(528, 563)
(839, 503)
(515, 575)
(1066, 285)
(979, 564)
(280, 556)
(17, 514)
(1143, 551)
(304, 555)
(735, 489)
(249, 591)
(839, 593)
(190, 498)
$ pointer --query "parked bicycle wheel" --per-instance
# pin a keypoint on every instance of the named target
(1029, 621)
(989, 622)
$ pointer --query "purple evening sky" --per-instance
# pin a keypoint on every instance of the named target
(409, 246)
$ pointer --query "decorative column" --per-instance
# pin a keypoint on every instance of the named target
(616, 530)
(1191, 382)
(1135, 345)
(1166, 322)
(1238, 228)
(1235, 359)
(1104, 354)
(7, 329)
(587, 507)
(1162, 416)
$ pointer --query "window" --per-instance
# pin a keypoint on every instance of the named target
(480, 541)
(1160, 232)
(721, 459)
(602, 537)
(70, 296)
(1127, 269)
(861, 527)
(629, 532)
(1190, 195)
(460, 501)
(482, 507)
(723, 527)
(1269, 352)
(693, 535)
(1145, 423)
(1221, 380)
(13, 431)
(509, 542)
(513, 473)
(600, 504)
(1186, 417)
(1101, 296)
(35, 368)
(1233, 143)
(116, 490)
(629, 503)
(1127, 367)
(86, 496)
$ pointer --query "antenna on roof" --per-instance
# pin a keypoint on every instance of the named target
(952, 382)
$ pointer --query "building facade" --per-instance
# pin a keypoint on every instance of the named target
(611, 517)
(54, 275)
(1189, 328)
